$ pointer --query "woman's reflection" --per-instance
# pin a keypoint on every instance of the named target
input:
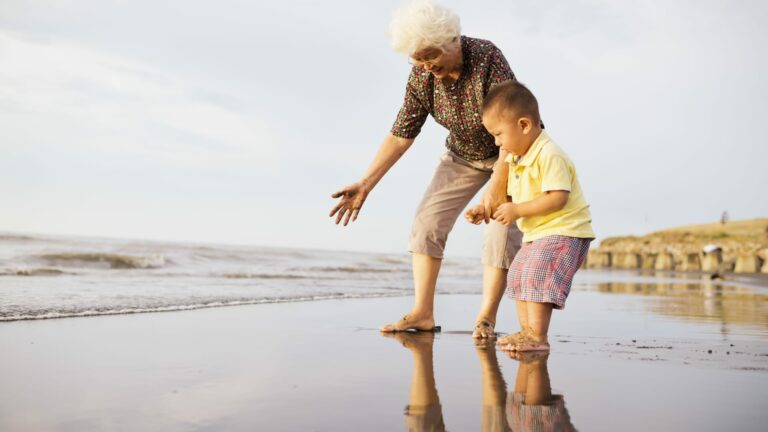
(492, 418)
(423, 412)
(530, 407)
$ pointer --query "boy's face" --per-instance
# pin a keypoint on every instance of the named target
(512, 133)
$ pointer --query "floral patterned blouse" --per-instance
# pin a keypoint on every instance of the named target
(456, 106)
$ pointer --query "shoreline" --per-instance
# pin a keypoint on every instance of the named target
(585, 281)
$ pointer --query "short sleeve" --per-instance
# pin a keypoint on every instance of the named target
(498, 70)
(413, 114)
(556, 174)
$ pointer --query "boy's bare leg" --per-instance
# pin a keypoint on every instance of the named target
(539, 315)
(422, 316)
(521, 380)
(494, 282)
(539, 389)
(522, 318)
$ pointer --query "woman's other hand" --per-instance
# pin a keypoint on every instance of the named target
(352, 198)
(491, 201)
(476, 214)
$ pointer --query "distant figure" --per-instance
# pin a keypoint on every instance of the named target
(548, 207)
(724, 218)
(451, 75)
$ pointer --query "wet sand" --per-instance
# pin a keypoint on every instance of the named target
(619, 362)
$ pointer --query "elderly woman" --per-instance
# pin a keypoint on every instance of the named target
(451, 75)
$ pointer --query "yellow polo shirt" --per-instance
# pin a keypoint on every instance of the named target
(546, 167)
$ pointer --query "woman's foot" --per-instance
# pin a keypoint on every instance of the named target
(410, 322)
(484, 329)
(414, 341)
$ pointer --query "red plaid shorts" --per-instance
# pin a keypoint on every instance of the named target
(543, 269)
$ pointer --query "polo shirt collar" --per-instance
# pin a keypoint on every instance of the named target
(530, 156)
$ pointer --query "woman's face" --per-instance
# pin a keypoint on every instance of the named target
(439, 61)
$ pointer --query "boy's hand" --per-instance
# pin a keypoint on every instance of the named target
(476, 214)
(506, 214)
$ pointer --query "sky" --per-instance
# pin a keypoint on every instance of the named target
(234, 121)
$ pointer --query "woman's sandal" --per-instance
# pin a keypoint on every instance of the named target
(484, 329)
(390, 328)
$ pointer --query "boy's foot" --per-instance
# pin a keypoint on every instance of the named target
(484, 330)
(407, 323)
(527, 342)
(512, 339)
(531, 345)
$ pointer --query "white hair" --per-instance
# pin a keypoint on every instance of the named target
(422, 24)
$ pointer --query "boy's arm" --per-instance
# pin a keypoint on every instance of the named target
(549, 202)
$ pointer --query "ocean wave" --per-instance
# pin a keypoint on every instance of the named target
(16, 237)
(347, 269)
(115, 261)
(49, 314)
(261, 276)
(33, 272)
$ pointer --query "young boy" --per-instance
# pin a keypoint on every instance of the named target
(548, 206)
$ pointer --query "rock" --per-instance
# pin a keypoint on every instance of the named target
(628, 260)
(690, 261)
(747, 263)
(648, 261)
(664, 261)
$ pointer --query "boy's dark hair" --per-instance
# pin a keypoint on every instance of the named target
(515, 97)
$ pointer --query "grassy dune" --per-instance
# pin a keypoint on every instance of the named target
(736, 236)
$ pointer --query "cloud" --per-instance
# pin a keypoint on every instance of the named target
(53, 93)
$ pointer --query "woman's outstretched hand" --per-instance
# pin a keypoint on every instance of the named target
(352, 198)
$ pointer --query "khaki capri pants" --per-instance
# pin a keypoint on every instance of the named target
(453, 185)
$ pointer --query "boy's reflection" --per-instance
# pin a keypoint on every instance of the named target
(531, 407)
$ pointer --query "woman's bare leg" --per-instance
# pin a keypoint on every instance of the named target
(494, 282)
(422, 315)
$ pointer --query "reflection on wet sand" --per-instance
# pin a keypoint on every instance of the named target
(700, 301)
(492, 417)
(531, 407)
(423, 412)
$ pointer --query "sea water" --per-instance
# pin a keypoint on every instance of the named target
(59, 276)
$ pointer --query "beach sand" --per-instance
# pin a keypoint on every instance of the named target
(616, 363)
